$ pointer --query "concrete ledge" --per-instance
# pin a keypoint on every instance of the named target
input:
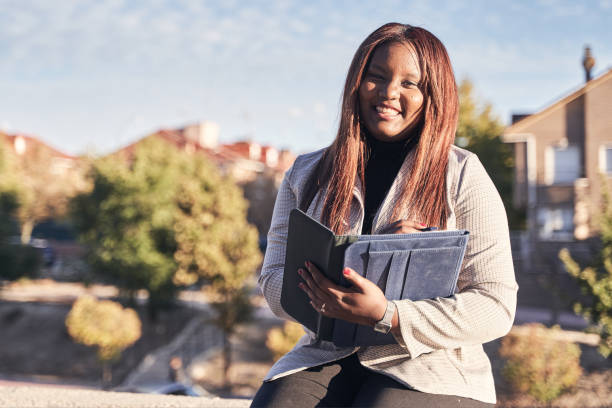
(52, 397)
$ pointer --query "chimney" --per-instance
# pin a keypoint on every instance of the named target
(588, 62)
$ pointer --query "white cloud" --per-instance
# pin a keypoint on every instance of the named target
(295, 112)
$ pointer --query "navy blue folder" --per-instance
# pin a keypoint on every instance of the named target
(417, 266)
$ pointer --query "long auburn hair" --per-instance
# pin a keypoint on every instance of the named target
(345, 158)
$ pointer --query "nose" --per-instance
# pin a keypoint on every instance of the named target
(389, 90)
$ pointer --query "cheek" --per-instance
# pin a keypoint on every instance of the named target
(415, 101)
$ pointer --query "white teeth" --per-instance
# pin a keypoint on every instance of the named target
(386, 111)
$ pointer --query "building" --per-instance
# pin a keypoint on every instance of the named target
(27, 149)
(563, 154)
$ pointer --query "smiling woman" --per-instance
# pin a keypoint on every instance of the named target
(389, 97)
(393, 169)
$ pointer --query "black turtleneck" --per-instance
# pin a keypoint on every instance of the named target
(383, 164)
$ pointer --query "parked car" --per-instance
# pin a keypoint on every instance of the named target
(47, 252)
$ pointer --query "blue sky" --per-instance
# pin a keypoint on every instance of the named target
(95, 75)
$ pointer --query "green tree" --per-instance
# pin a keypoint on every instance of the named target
(16, 260)
(479, 131)
(217, 246)
(127, 220)
(46, 187)
(9, 194)
(596, 279)
(106, 325)
(166, 219)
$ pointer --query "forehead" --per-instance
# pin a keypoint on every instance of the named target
(396, 56)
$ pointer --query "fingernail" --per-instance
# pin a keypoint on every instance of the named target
(307, 263)
(421, 224)
(301, 285)
(346, 271)
(301, 272)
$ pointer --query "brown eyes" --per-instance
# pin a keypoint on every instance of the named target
(376, 78)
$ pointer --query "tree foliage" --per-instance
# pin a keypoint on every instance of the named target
(166, 219)
(46, 187)
(596, 279)
(15, 260)
(9, 194)
(127, 219)
(216, 246)
(479, 131)
(105, 325)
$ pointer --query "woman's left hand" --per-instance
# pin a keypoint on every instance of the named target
(363, 303)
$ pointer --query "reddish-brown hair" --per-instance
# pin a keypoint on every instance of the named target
(345, 158)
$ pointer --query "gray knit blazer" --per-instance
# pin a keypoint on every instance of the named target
(440, 349)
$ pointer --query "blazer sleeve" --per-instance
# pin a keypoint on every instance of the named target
(484, 306)
(271, 278)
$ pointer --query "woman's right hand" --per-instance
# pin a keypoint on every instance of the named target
(403, 227)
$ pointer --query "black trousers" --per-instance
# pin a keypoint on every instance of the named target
(346, 383)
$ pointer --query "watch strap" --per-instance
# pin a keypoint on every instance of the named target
(384, 324)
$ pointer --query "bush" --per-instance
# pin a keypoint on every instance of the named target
(104, 324)
(540, 364)
(281, 341)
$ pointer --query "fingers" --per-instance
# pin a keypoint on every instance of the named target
(403, 227)
(314, 295)
(316, 285)
(319, 278)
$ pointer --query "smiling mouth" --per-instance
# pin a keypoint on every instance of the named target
(387, 112)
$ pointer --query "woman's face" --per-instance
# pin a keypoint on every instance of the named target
(389, 96)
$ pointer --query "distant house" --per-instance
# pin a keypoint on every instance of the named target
(244, 160)
(28, 149)
(562, 154)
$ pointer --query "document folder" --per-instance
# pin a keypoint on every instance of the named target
(423, 265)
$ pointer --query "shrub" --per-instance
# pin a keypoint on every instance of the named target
(540, 364)
(281, 341)
(105, 325)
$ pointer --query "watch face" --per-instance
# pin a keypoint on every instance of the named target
(382, 327)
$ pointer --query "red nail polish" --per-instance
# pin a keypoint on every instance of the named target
(421, 224)
(346, 271)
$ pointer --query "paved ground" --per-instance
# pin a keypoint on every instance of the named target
(45, 397)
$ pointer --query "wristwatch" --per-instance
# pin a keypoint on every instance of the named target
(384, 324)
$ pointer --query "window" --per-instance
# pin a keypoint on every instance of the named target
(556, 223)
(562, 164)
(605, 159)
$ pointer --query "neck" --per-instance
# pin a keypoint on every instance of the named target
(392, 146)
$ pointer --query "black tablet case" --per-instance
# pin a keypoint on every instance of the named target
(417, 266)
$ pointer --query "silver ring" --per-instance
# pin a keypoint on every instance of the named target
(323, 308)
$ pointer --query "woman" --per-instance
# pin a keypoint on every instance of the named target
(393, 169)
